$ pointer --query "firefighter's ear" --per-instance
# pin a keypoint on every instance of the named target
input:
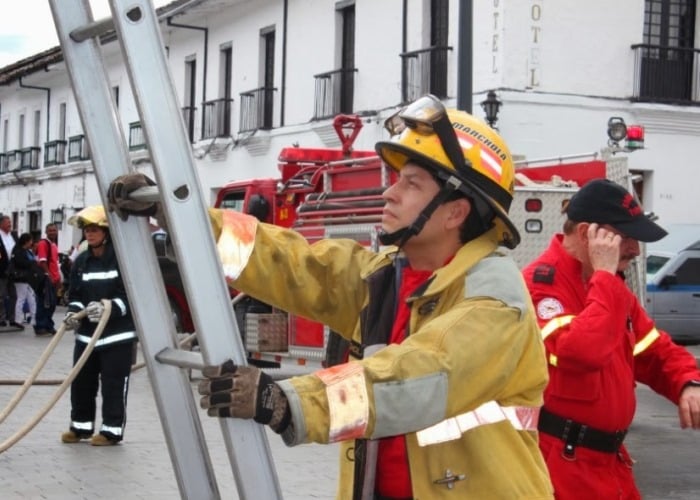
(459, 211)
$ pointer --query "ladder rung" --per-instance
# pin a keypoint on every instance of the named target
(149, 193)
(183, 359)
(91, 30)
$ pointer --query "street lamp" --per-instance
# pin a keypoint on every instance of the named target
(491, 105)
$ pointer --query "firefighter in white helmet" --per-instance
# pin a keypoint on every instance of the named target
(447, 370)
(95, 276)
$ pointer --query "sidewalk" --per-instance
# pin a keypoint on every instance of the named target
(41, 467)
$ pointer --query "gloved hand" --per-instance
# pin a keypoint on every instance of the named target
(71, 321)
(244, 392)
(94, 311)
(118, 196)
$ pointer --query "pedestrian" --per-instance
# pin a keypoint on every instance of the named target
(25, 274)
(447, 367)
(95, 277)
(47, 256)
(600, 343)
(8, 299)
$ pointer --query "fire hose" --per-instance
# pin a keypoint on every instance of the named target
(27, 427)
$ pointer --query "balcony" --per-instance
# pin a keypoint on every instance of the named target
(54, 153)
(29, 158)
(11, 161)
(78, 149)
(4, 160)
(334, 92)
(137, 140)
(423, 72)
(188, 114)
(217, 118)
(666, 74)
(256, 109)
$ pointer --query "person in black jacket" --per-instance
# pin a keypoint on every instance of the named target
(95, 276)
(8, 240)
(26, 275)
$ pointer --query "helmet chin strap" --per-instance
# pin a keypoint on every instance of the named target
(400, 237)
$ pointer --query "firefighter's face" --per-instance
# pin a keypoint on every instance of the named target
(94, 234)
(406, 199)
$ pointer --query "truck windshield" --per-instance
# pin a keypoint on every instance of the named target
(233, 201)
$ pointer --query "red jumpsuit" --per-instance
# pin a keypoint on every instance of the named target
(599, 341)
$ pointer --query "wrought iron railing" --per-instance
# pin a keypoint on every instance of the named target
(29, 157)
(424, 71)
(256, 109)
(666, 74)
(188, 117)
(54, 153)
(334, 92)
(217, 118)
(13, 161)
(78, 149)
(3, 163)
(136, 138)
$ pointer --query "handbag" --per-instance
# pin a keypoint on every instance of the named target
(16, 274)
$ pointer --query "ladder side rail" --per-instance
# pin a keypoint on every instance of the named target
(178, 413)
(181, 195)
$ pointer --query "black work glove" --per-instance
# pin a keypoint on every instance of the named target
(244, 392)
(118, 196)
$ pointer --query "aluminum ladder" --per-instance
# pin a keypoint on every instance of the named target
(141, 45)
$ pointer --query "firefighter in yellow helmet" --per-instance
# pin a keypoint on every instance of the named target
(440, 397)
(95, 277)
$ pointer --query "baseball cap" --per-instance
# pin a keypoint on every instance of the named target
(606, 202)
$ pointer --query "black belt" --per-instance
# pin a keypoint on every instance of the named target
(576, 434)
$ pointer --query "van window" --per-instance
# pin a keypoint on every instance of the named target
(689, 272)
(654, 263)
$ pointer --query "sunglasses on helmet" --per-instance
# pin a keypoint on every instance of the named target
(427, 116)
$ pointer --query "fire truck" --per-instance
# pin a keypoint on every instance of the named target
(337, 193)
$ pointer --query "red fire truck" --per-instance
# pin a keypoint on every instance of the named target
(337, 193)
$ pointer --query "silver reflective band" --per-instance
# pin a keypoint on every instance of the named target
(82, 426)
(117, 431)
(100, 276)
(107, 340)
(522, 418)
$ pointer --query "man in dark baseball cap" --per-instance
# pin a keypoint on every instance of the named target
(600, 342)
(606, 202)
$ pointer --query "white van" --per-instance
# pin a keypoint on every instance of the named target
(673, 283)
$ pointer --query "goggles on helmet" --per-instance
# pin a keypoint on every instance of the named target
(427, 116)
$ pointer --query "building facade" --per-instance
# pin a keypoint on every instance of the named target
(254, 76)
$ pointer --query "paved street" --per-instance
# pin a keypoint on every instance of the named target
(41, 467)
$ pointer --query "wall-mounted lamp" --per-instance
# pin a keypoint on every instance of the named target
(491, 106)
(57, 216)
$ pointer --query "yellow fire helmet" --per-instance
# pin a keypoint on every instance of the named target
(432, 136)
(89, 216)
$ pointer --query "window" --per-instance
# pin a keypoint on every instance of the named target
(37, 129)
(189, 107)
(268, 77)
(62, 121)
(347, 58)
(668, 54)
(689, 272)
(20, 136)
(233, 201)
(115, 95)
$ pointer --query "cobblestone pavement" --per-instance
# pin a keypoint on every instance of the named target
(41, 467)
